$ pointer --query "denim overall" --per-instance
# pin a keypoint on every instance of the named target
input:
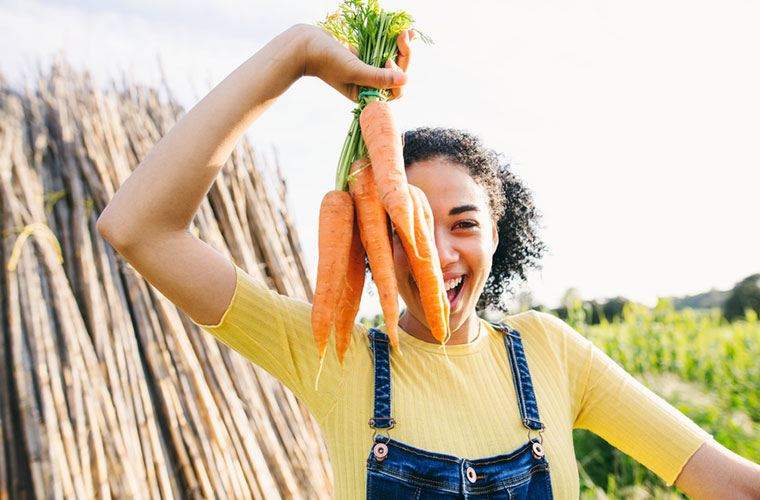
(397, 470)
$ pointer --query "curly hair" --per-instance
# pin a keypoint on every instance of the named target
(511, 204)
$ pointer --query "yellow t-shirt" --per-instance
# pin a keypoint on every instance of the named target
(466, 405)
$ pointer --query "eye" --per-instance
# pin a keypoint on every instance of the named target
(466, 223)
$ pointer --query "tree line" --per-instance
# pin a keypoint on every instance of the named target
(734, 303)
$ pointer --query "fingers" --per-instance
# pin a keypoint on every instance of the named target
(403, 41)
(382, 78)
(396, 92)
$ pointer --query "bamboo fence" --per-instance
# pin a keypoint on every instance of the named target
(108, 390)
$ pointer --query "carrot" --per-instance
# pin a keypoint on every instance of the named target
(428, 274)
(373, 229)
(431, 227)
(375, 36)
(385, 150)
(336, 213)
(348, 305)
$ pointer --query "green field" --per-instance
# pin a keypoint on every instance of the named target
(703, 365)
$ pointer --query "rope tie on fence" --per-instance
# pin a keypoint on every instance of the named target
(26, 231)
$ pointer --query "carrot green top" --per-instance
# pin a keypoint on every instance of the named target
(470, 398)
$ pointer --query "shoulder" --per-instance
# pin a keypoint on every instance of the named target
(527, 324)
(551, 326)
(546, 330)
(530, 324)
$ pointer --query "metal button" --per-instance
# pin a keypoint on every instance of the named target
(380, 451)
(471, 475)
(538, 450)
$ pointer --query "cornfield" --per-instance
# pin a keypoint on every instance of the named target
(697, 361)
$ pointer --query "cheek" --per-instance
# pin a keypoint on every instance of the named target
(479, 257)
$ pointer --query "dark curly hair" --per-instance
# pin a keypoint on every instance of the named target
(511, 203)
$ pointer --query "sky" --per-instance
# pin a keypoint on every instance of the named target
(634, 124)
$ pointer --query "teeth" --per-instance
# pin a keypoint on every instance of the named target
(452, 283)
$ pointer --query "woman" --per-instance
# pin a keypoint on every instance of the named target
(495, 419)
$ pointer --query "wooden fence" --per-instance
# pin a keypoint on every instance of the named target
(108, 390)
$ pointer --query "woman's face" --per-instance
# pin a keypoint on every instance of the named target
(465, 237)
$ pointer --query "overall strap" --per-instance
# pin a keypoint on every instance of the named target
(381, 359)
(526, 398)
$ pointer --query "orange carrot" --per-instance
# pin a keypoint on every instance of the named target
(336, 214)
(431, 228)
(428, 274)
(373, 229)
(386, 154)
(348, 305)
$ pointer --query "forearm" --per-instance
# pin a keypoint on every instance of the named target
(739, 477)
(166, 189)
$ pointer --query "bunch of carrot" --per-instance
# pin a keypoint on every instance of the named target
(371, 187)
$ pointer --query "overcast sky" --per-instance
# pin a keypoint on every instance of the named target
(636, 124)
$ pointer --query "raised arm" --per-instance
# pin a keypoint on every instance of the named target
(148, 219)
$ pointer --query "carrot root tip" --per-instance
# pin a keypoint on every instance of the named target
(446, 355)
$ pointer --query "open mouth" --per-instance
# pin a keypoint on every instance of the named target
(455, 293)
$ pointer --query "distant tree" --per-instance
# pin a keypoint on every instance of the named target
(593, 312)
(593, 309)
(560, 312)
(613, 308)
(745, 295)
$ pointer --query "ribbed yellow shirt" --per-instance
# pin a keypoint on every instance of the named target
(466, 405)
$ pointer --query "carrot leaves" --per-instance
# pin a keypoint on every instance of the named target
(372, 32)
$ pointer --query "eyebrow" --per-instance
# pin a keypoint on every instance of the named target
(463, 208)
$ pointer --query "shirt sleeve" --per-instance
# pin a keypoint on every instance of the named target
(611, 403)
(274, 332)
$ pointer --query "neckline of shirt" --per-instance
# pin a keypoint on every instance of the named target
(476, 345)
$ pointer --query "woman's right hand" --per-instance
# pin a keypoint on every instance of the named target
(337, 65)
